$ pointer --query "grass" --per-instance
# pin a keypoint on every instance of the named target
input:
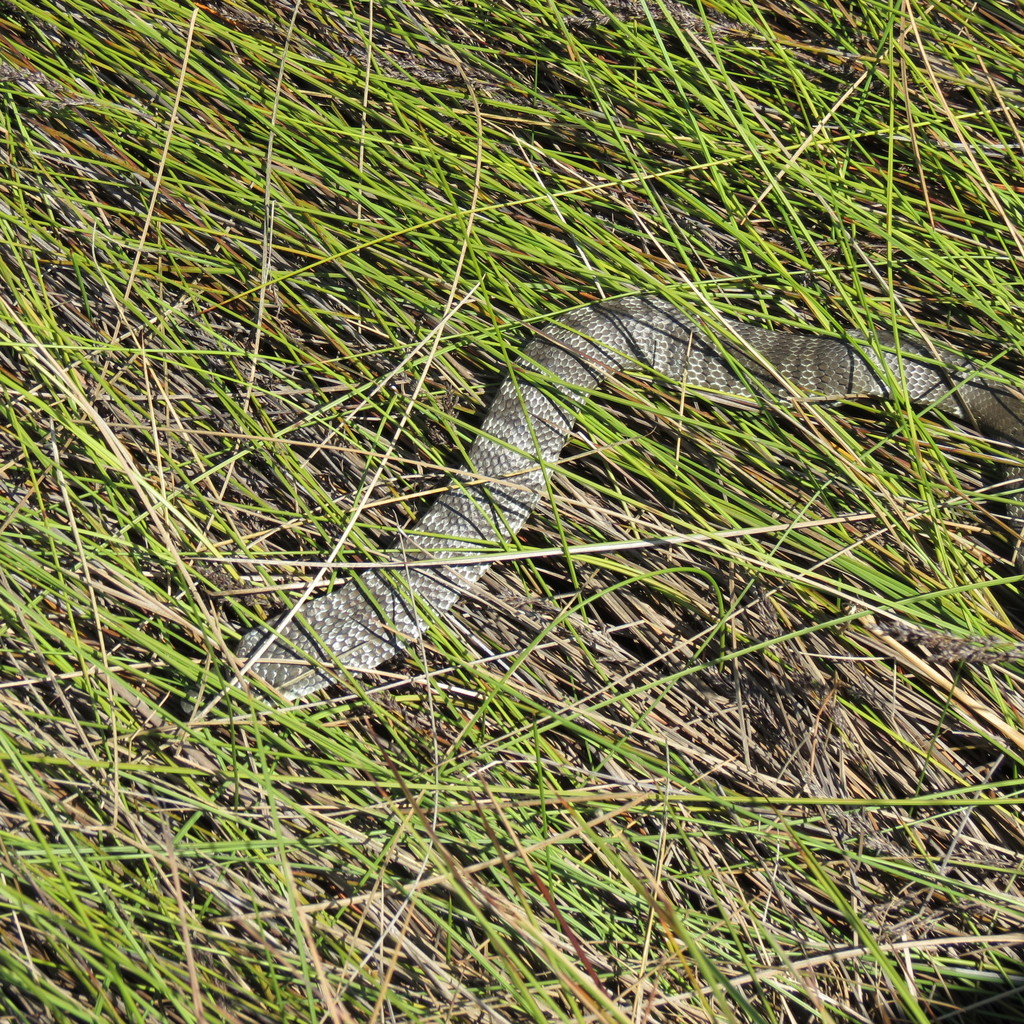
(733, 735)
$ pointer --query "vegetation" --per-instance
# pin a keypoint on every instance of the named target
(734, 735)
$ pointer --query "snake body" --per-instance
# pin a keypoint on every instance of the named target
(374, 616)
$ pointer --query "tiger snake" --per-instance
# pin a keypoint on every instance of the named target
(377, 613)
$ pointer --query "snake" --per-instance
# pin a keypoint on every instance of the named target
(377, 613)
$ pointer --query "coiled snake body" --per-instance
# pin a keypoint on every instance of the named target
(373, 617)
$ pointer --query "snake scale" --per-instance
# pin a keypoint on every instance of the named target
(375, 615)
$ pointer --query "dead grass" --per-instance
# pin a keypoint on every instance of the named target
(735, 736)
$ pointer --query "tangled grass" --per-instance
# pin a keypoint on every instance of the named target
(733, 735)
